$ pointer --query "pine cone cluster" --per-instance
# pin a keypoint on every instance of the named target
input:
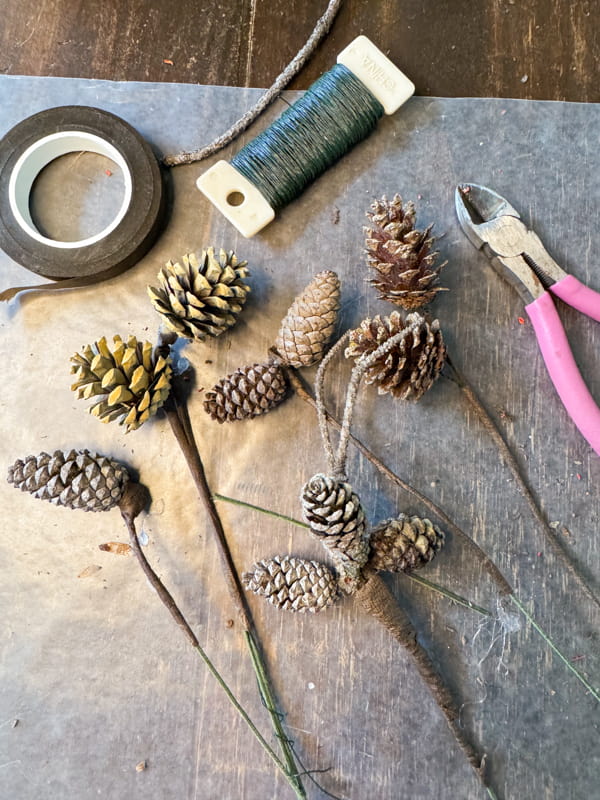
(200, 299)
(247, 392)
(401, 256)
(132, 380)
(334, 512)
(404, 544)
(77, 479)
(293, 584)
(413, 363)
(310, 321)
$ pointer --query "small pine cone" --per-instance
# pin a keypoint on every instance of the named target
(404, 544)
(203, 299)
(293, 584)
(409, 369)
(247, 392)
(402, 258)
(334, 512)
(132, 381)
(309, 323)
(77, 479)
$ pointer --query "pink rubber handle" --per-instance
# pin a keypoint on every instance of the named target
(563, 371)
(577, 295)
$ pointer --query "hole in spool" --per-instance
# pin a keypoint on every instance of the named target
(76, 196)
(235, 198)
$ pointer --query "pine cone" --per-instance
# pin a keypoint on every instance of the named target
(309, 323)
(412, 365)
(336, 517)
(247, 392)
(133, 380)
(404, 544)
(401, 256)
(77, 479)
(203, 299)
(293, 583)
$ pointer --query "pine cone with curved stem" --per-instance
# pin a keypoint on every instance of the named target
(402, 258)
(201, 299)
(404, 544)
(334, 512)
(132, 380)
(410, 368)
(309, 323)
(247, 392)
(78, 479)
(293, 584)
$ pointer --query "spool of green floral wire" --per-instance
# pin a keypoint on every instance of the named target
(337, 112)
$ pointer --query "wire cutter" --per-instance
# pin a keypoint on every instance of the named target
(517, 253)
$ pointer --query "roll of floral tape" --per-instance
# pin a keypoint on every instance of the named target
(35, 142)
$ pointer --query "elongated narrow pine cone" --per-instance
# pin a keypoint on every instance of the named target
(405, 266)
(202, 298)
(77, 479)
(247, 392)
(404, 544)
(293, 584)
(334, 512)
(128, 383)
(310, 321)
(410, 368)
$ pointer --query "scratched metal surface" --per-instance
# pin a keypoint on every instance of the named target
(92, 668)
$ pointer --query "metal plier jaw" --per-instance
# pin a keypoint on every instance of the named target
(515, 251)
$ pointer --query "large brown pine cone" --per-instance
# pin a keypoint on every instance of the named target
(310, 321)
(77, 479)
(200, 299)
(404, 544)
(293, 584)
(413, 363)
(402, 258)
(247, 392)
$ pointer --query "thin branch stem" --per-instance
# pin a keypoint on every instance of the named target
(510, 461)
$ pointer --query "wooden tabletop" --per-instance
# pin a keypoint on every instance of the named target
(531, 49)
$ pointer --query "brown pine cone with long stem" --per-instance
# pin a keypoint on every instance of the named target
(404, 544)
(410, 368)
(310, 321)
(293, 584)
(247, 392)
(401, 257)
(78, 479)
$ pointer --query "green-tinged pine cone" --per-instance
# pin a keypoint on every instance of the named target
(333, 510)
(128, 383)
(293, 584)
(406, 272)
(410, 368)
(404, 544)
(201, 299)
(310, 321)
(77, 479)
(247, 392)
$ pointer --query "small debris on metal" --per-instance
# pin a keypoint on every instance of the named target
(167, 61)
(229, 623)
(118, 548)
(91, 570)
(14, 723)
(141, 766)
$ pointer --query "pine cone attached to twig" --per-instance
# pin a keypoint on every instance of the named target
(132, 380)
(334, 512)
(247, 392)
(409, 369)
(200, 299)
(404, 544)
(310, 321)
(293, 584)
(401, 256)
(77, 479)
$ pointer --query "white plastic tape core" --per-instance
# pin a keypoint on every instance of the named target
(38, 156)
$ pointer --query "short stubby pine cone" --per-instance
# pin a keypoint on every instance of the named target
(293, 584)
(247, 392)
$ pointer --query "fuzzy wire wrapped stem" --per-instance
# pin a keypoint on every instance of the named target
(320, 406)
(131, 504)
(510, 461)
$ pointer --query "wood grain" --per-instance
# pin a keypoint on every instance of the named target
(532, 49)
